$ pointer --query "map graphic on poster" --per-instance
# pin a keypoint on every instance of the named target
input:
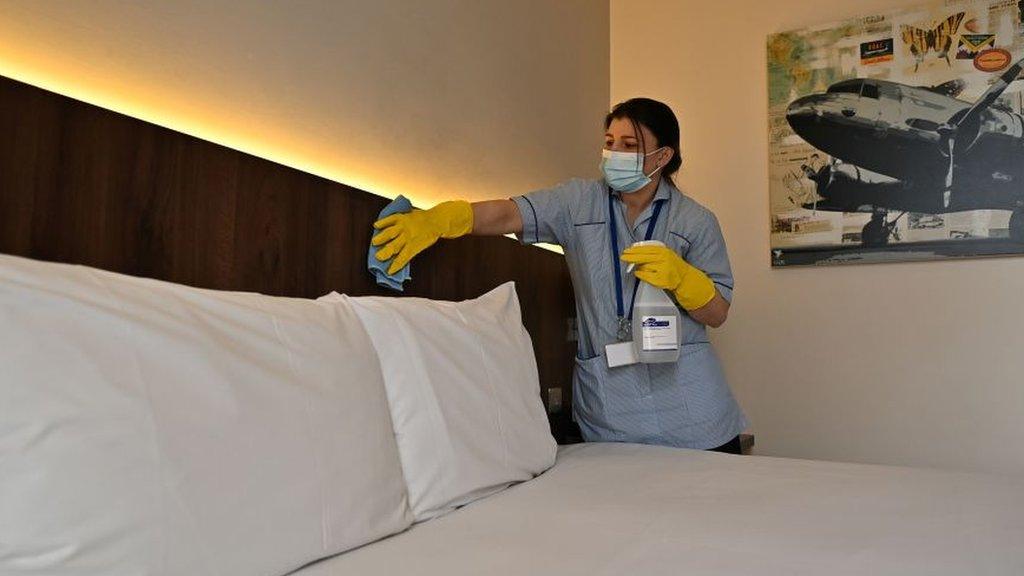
(898, 136)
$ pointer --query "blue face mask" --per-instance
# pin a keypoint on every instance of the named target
(624, 171)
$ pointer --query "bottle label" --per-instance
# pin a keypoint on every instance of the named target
(659, 333)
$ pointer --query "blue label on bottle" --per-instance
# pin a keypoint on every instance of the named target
(659, 333)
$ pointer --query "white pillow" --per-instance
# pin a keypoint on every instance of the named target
(151, 428)
(465, 400)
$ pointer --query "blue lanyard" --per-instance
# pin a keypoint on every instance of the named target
(620, 308)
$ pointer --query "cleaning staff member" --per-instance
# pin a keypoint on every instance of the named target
(687, 403)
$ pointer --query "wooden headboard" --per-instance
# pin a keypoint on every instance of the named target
(84, 185)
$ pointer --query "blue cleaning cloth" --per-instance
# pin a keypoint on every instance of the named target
(379, 269)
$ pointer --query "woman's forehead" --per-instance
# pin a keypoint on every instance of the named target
(623, 128)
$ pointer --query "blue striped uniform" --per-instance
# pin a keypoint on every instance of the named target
(686, 404)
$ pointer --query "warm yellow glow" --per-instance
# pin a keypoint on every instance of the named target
(544, 245)
(551, 247)
(136, 107)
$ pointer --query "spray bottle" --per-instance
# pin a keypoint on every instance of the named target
(657, 325)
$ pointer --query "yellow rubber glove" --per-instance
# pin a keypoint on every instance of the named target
(406, 235)
(659, 266)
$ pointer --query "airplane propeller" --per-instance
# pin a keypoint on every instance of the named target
(948, 131)
(946, 194)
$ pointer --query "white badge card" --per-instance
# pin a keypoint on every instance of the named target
(620, 354)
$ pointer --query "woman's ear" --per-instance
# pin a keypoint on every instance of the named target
(666, 156)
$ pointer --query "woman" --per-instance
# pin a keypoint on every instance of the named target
(686, 403)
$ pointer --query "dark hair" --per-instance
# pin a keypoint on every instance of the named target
(659, 119)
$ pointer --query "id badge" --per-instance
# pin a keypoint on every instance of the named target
(620, 354)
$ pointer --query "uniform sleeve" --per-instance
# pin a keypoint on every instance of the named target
(708, 253)
(546, 214)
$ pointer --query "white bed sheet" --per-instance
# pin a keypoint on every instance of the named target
(619, 509)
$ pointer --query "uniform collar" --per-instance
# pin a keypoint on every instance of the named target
(664, 191)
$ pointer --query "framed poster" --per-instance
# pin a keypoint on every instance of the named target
(898, 136)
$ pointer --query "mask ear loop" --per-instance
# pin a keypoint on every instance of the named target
(655, 171)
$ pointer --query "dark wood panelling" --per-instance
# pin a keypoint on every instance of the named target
(85, 185)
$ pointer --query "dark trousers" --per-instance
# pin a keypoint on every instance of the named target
(730, 447)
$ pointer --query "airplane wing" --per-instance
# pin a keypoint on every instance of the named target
(992, 94)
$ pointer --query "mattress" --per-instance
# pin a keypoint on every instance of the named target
(607, 509)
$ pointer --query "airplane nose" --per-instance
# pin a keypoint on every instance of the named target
(803, 111)
(802, 108)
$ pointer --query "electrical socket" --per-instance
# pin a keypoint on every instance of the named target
(554, 400)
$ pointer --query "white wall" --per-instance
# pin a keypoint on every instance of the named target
(429, 98)
(919, 364)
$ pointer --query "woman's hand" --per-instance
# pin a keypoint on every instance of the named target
(406, 235)
(403, 236)
(694, 291)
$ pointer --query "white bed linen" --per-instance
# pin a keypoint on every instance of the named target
(149, 428)
(462, 385)
(614, 509)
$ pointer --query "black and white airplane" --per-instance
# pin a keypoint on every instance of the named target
(905, 148)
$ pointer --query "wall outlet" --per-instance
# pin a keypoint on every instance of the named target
(554, 400)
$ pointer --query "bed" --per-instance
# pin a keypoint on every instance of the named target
(217, 419)
(608, 509)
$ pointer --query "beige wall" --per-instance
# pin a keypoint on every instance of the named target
(918, 364)
(428, 98)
